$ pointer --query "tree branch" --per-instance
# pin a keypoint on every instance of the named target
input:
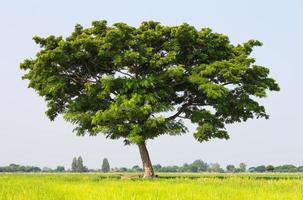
(182, 108)
(127, 74)
(182, 117)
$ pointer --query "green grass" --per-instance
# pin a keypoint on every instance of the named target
(167, 186)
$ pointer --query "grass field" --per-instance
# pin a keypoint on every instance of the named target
(166, 186)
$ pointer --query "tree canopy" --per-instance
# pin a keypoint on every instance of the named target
(140, 83)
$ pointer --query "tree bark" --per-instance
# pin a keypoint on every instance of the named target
(147, 166)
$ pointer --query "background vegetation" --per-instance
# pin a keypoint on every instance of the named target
(196, 166)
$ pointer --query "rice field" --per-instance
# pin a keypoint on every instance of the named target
(166, 186)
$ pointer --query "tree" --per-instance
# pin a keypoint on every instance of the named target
(156, 167)
(215, 167)
(122, 81)
(260, 168)
(105, 166)
(200, 165)
(80, 166)
(60, 169)
(193, 168)
(136, 168)
(270, 168)
(46, 169)
(19, 168)
(122, 169)
(185, 168)
(252, 169)
(242, 167)
(286, 168)
(75, 164)
(230, 168)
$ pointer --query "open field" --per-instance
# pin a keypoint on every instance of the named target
(167, 186)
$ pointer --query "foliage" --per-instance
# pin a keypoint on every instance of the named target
(195, 166)
(270, 168)
(74, 164)
(19, 168)
(215, 167)
(77, 165)
(230, 168)
(136, 168)
(46, 169)
(200, 165)
(242, 167)
(260, 168)
(205, 167)
(288, 168)
(122, 81)
(233, 169)
(60, 169)
(105, 166)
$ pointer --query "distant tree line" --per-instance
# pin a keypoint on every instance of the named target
(196, 166)
(21, 168)
(271, 168)
(201, 166)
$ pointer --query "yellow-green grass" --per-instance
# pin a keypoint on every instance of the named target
(167, 186)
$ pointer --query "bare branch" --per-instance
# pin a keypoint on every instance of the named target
(127, 74)
(182, 108)
(182, 117)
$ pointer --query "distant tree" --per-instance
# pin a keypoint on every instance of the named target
(200, 165)
(19, 168)
(185, 168)
(270, 168)
(36, 169)
(136, 168)
(193, 168)
(230, 168)
(242, 167)
(46, 169)
(170, 169)
(215, 167)
(123, 169)
(252, 169)
(286, 168)
(77, 165)
(122, 81)
(80, 166)
(60, 169)
(260, 168)
(157, 167)
(105, 166)
(74, 164)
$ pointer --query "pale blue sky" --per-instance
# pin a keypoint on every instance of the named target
(28, 137)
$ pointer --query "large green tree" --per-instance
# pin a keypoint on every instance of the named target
(140, 83)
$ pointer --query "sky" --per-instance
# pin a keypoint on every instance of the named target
(27, 136)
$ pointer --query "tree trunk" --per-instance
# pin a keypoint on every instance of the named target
(147, 166)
